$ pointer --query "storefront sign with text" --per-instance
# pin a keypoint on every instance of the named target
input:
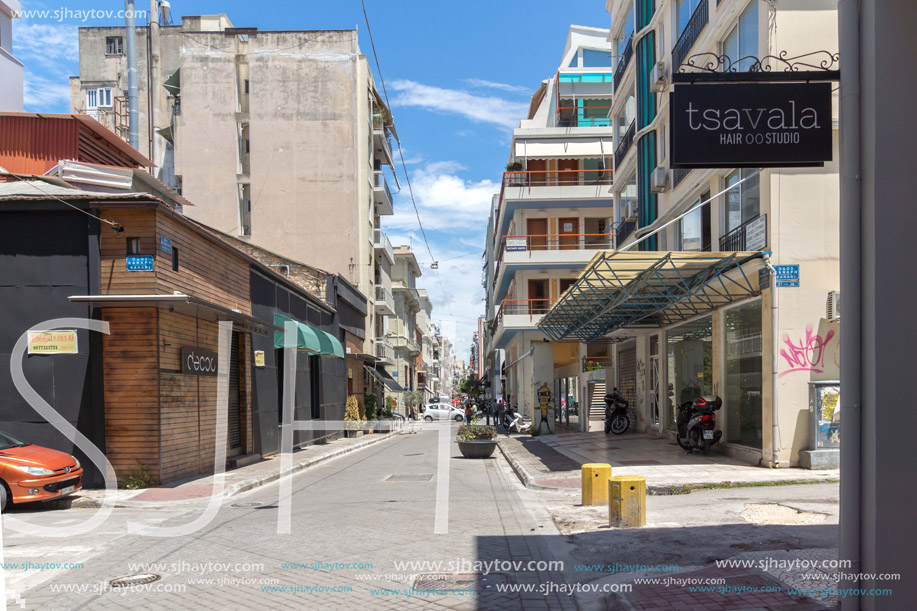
(198, 362)
(751, 125)
(52, 342)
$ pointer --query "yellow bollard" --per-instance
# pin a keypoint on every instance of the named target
(627, 501)
(595, 483)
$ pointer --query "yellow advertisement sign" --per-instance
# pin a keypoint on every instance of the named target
(259, 358)
(52, 342)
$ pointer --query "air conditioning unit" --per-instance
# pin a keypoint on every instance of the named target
(834, 305)
(658, 79)
(630, 210)
(659, 180)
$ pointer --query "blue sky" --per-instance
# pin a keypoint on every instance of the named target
(459, 76)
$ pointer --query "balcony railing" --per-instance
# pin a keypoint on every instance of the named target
(379, 182)
(624, 61)
(380, 128)
(624, 145)
(625, 228)
(594, 363)
(551, 242)
(690, 35)
(385, 300)
(523, 307)
(575, 116)
(679, 174)
(735, 240)
(381, 241)
(384, 349)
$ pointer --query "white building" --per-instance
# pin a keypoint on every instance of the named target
(10, 68)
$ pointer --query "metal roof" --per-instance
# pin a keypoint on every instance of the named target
(647, 289)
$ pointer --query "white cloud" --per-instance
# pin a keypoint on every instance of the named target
(481, 109)
(481, 83)
(52, 46)
(445, 200)
(41, 94)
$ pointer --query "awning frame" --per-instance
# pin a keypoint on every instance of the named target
(647, 289)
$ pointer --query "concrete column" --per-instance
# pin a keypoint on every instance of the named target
(642, 408)
(542, 378)
(879, 421)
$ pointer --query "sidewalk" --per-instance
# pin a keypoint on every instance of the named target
(553, 462)
(235, 481)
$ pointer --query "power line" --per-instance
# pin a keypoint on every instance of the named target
(115, 225)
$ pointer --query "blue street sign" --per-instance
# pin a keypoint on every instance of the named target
(787, 275)
(165, 244)
(140, 263)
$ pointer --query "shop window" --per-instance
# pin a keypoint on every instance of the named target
(743, 383)
(690, 364)
(133, 246)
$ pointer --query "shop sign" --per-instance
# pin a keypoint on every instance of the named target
(756, 234)
(259, 358)
(764, 278)
(165, 244)
(787, 275)
(515, 244)
(198, 362)
(52, 342)
(751, 125)
(140, 263)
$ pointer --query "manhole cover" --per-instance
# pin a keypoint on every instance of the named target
(409, 477)
(458, 581)
(252, 504)
(134, 580)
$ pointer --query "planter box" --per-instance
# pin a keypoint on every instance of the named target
(353, 434)
(480, 448)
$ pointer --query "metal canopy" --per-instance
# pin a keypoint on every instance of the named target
(647, 289)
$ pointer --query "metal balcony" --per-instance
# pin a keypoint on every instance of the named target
(689, 36)
(382, 140)
(382, 195)
(384, 350)
(623, 62)
(385, 301)
(382, 243)
(625, 143)
(735, 240)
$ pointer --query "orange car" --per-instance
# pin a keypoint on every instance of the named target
(32, 473)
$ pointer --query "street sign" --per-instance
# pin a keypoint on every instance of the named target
(140, 263)
(764, 278)
(165, 244)
(751, 125)
(787, 275)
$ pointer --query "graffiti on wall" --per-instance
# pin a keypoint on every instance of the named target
(807, 353)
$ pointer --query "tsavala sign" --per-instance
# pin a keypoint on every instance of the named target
(745, 125)
(198, 362)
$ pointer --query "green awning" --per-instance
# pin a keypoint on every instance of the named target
(173, 83)
(306, 337)
(309, 338)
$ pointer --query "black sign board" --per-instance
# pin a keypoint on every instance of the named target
(750, 125)
(198, 362)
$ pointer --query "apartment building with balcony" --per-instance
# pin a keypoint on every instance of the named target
(279, 137)
(762, 353)
(402, 334)
(553, 214)
(10, 68)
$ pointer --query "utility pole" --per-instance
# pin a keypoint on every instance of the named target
(879, 330)
(130, 47)
(153, 81)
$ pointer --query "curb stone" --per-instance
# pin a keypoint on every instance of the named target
(239, 487)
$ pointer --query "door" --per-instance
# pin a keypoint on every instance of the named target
(627, 378)
(568, 228)
(537, 231)
(567, 172)
(538, 297)
(537, 171)
(235, 404)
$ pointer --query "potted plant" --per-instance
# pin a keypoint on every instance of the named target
(352, 421)
(477, 440)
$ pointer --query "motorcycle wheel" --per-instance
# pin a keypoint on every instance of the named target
(607, 427)
(619, 425)
(684, 445)
(706, 448)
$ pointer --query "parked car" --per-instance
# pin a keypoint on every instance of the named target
(443, 411)
(33, 473)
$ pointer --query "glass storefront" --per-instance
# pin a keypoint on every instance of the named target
(566, 402)
(742, 397)
(689, 348)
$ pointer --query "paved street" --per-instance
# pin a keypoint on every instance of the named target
(344, 511)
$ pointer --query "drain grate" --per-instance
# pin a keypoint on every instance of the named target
(134, 580)
(458, 581)
(252, 504)
(409, 477)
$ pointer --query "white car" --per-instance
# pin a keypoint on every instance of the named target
(443, 411)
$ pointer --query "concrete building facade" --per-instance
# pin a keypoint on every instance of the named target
(11, 93)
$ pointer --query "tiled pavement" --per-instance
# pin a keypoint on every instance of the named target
(553, 461)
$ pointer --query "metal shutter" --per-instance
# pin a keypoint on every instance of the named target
(235, 417)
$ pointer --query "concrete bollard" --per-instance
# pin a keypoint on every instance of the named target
(595, 483)
(627, 501)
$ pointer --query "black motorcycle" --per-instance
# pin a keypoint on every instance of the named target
(697, 425)
(616, 419)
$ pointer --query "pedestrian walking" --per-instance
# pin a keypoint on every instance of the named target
(488, 408)
(468, 413)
